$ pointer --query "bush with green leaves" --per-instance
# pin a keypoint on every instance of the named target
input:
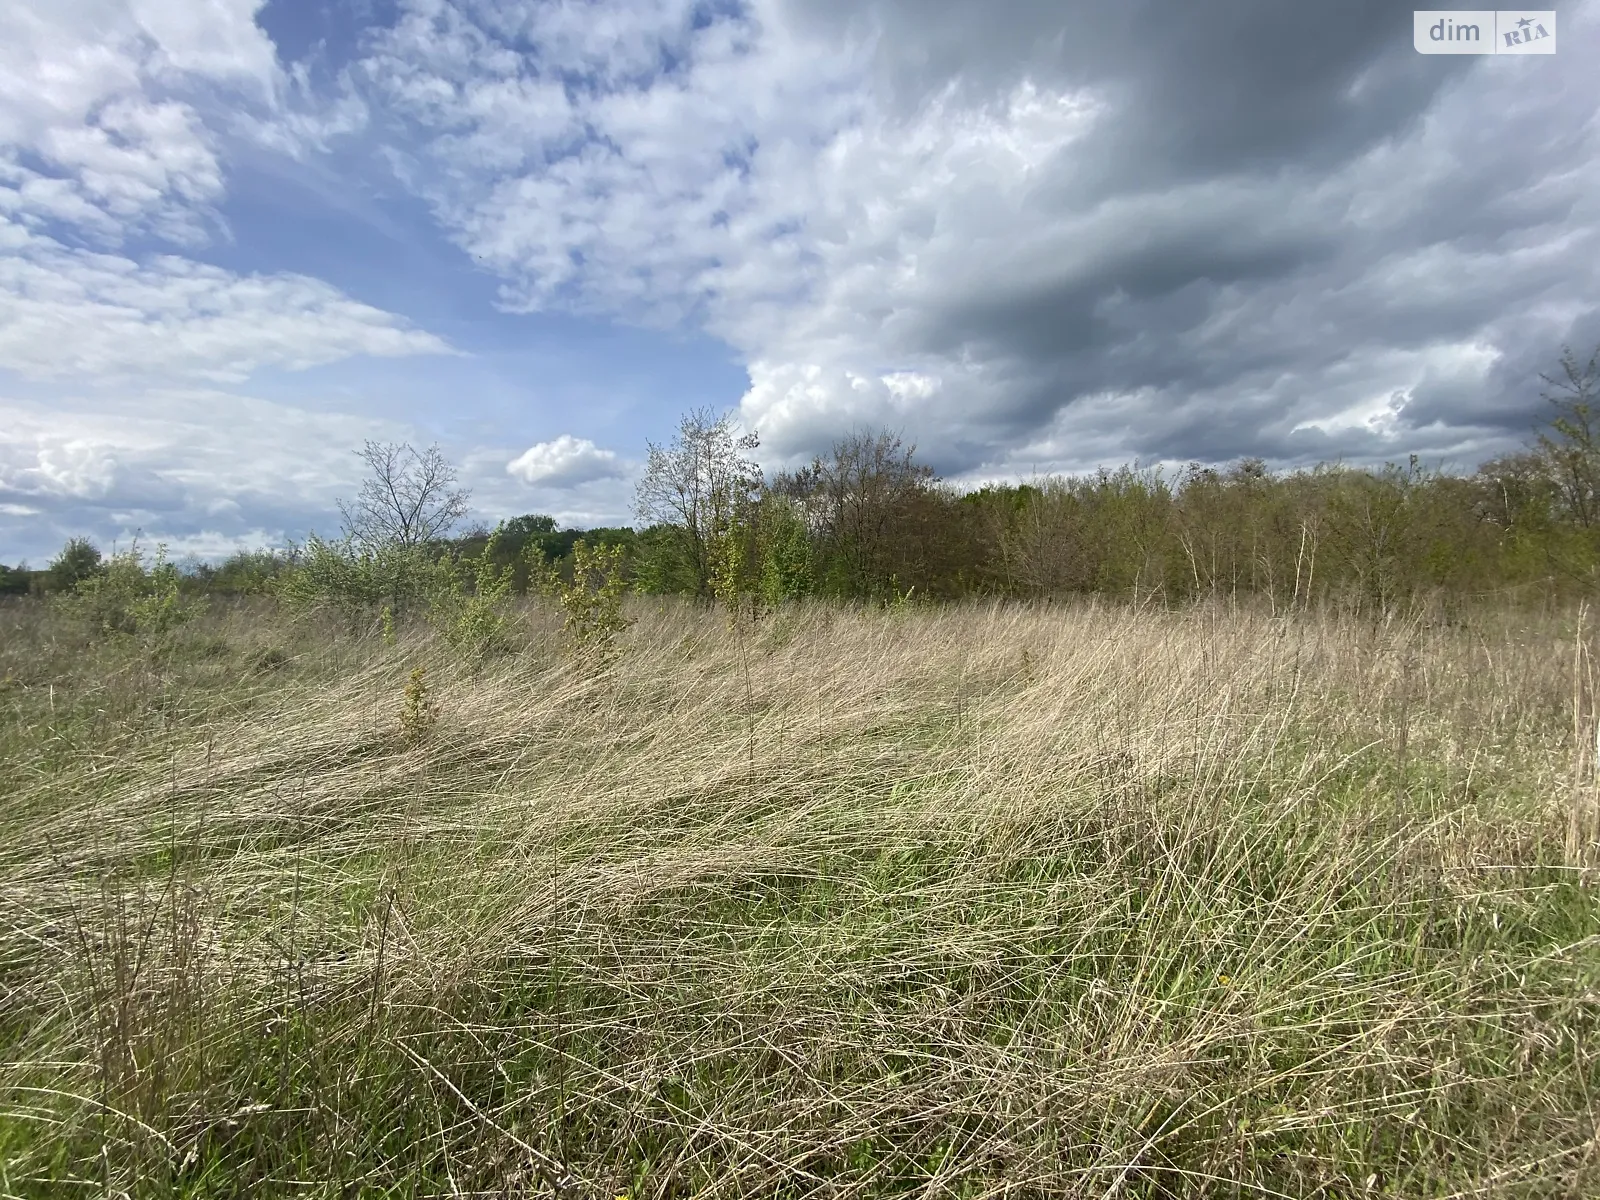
(469, 607)
(249, 572)
(785, 549)
(360, 581)
(127, 598)
(591, 601)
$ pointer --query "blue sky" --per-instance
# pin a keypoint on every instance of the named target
(238, 239)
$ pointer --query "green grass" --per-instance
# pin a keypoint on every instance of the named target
(975, 902)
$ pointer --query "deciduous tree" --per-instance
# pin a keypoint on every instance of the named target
(409, 498)
(696, 488)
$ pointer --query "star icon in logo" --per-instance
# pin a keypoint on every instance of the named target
(1524, 23)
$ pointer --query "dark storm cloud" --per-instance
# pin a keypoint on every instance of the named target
(1337, 202)
(1134, 282)
(1199, 87)
(1513, 401)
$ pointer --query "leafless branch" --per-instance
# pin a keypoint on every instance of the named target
(408, 499)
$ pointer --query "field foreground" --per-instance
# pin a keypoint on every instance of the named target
(981, 901)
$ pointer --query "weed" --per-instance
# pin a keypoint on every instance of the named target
(419, 711)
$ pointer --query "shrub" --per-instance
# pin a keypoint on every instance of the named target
(591, 601)
(250, 572)
(469, 605)
(127, 599)
(78, 561)
(358, 582)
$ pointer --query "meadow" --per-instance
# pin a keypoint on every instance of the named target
(976, 900)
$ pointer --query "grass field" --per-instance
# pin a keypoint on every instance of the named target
(978, 901)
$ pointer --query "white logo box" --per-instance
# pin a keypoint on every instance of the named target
(1484, 31)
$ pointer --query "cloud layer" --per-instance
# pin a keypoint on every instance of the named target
(101, 121)
(1029, 238)
(189, 467)
(116, 122)
(76, 313)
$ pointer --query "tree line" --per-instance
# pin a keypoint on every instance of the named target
(867, 521)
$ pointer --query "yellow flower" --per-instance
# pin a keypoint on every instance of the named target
(1224, 980)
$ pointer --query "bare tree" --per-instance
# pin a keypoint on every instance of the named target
(409, 499)
(696, 486)
(1573, 454)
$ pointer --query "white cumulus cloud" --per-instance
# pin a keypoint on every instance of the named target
(101, 97)
(565, 461)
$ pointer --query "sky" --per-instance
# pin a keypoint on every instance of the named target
(238, 238)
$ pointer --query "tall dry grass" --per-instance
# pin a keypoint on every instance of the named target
(976, 901)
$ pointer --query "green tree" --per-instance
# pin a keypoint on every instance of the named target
(785, 552)
(527, 526)
(865, 502)
(79, 559)
(15, 581)
(660, 567)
